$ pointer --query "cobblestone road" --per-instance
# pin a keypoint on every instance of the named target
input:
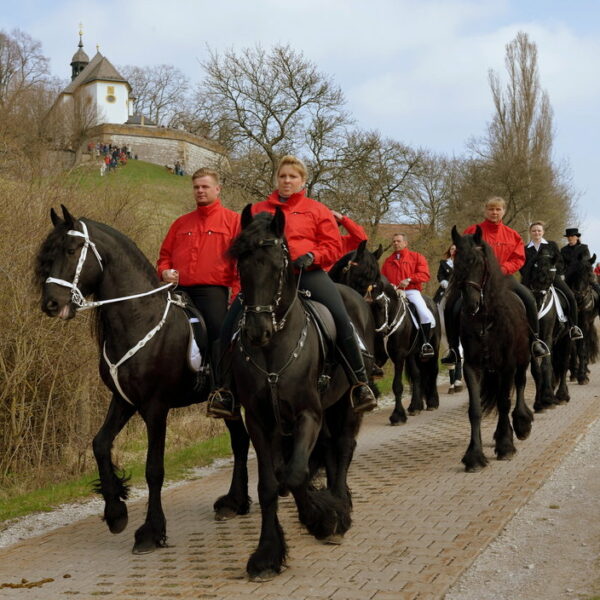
(419, 522)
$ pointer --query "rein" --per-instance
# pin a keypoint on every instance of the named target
(82, 304)
(273, 377)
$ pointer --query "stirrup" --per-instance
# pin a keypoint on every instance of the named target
(222, 405)
(450, 358)
(362, 405)
(575, 333)
(427, 350)
(542, 350)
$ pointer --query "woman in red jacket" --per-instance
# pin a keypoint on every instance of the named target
(356, 234)
(509, 249)
(314, 243)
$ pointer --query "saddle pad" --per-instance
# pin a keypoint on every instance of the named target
(323, 319)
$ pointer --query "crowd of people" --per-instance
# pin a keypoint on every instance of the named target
(194, 257)
(111, 156)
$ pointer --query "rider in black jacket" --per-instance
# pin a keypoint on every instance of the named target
(537, 246)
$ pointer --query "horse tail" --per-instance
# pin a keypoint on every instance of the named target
(489, 391)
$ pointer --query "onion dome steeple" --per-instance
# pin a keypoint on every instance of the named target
(80, 59)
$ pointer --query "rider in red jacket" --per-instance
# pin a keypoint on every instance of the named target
(356, 234)
(314, 243)
(193, 255)
(409, 270)
(509, 249)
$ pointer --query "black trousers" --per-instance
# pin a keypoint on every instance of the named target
(211, 301)
(560, 284)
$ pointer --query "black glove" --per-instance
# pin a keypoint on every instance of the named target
(304, 261)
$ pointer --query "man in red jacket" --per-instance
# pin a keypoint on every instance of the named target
(193, 255)
(509, 249)
(408, 271)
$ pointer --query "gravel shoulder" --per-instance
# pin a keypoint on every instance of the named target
(551, 548)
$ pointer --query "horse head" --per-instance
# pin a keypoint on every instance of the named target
(359, 270)
(68, 265)
(471, 268)
(580, 276)
(266, 274)
(541, 273)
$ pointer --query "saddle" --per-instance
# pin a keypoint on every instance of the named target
(197, 354)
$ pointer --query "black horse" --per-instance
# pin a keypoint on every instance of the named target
(143, 337)
(550, 374)
(579, 276)
(495, 338)
(298, 410)
(397, 336)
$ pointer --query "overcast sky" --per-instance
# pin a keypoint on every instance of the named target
(415, 70)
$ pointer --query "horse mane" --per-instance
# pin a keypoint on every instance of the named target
(336, 271)
(364, 273)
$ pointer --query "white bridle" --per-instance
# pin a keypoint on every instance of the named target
(82, 304)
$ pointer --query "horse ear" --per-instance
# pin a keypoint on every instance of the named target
(246, 216)
(477, 235)
(69, 218)
(377, 254)
(278, 223)
(361, 250)
(593, 260)
(56, 220)
(455, 235)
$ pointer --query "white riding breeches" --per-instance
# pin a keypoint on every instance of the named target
(425, 315)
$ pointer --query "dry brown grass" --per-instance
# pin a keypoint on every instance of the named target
(51, 398)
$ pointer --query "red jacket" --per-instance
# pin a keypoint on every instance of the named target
(356, 235)
(309, 227)
(196, 245)
(406, 263)
(506, 243)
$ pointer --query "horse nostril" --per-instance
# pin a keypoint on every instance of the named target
(51, 305)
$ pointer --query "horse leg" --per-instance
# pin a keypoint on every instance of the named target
(522, 417)
(306, 433)
(398, 414)
(560, 360)
(582, 370)
(505, 447)
(416, 391)
(268, 558)
(474, 458)
(153, 533)
(429, 374)
(236, 501)
(536, 372)
(112, 487)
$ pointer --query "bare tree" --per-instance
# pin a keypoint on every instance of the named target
(261, 105)
(514, 158)
(160, 91)
(372, 177)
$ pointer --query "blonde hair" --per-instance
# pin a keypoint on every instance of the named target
(206, 172)
(495, 201)
(295, 163)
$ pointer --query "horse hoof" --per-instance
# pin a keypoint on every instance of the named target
(225, 513)
(413, 413)
(263, 576)
(144, 548)
(334, 539)
(583, 381)
(430, 408)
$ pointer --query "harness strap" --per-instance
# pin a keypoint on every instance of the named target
(114, 367)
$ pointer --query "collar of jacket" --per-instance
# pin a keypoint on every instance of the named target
(209, 209)
(274, 200)
(532, 245)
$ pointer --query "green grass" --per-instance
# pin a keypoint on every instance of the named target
(178, 465)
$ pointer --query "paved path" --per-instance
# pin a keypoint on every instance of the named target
(419, 522)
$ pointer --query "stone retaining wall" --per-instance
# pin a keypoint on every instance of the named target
(162, 146)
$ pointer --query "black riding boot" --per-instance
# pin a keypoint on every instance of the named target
(458, 375)
(221, 402)
(451, 318)
(361, 395)
(427, 350)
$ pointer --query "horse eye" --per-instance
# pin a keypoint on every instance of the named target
(70, 250)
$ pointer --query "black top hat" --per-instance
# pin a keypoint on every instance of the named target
(572, 231)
